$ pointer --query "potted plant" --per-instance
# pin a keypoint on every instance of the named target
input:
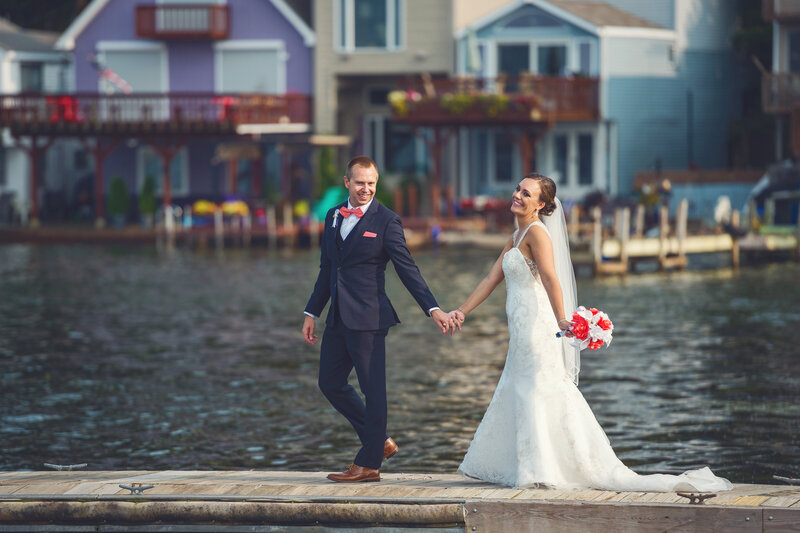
(147, 201)
(118, 202)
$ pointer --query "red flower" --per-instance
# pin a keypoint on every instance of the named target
(594, 345)
(604, 324)
(580, 327)
(594, 311)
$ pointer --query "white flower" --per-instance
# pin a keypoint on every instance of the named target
(334, 218)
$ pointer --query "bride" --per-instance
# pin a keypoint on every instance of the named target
(538, 430)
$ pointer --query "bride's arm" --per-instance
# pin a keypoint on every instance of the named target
(486, 286)
(541, 248)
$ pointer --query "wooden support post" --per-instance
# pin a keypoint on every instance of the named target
(167, 152)
(617, 223)
(449, 195)
(436, 161)
(35, 152)
(233, 175)
(638, 231)
(313, 231)
(99, 151)
(597, 237)
(272, 229)
(413, 201)
(398, 201)
(735, 251)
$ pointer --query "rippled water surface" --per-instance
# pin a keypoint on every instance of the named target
(133, 358)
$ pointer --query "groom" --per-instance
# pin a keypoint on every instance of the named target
(360, 237)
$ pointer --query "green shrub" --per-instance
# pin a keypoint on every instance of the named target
(147, 197)
(118, 197)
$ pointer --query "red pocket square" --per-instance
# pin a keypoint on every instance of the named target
(370, 234)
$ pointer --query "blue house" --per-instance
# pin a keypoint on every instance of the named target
(623, 87)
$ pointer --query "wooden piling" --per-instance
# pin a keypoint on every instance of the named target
(247, 229)
(219, 229)
(638, 230)
(735, 252)
(288, 225)
(272, 227)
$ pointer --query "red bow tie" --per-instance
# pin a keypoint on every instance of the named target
(347, 212)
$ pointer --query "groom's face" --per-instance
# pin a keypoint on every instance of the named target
(361, 184)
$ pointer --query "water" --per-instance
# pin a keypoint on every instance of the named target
(130, 358)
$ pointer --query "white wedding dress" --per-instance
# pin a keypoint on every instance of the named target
(538, 430)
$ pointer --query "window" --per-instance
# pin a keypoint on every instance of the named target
(552, 60)
(378, 97)
(31, 78)
(560, 155)
(585, 159)
(513, 58)
(503, 158)
(149, 164)
(794, 51)
(369, 24)
(246, 68)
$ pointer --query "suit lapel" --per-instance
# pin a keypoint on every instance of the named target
(356, 234)
(337, 220)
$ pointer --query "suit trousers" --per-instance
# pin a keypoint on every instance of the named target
(342, 350)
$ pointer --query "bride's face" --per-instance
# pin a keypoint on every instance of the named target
(525, 199)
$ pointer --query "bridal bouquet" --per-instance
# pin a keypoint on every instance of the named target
(591, 328)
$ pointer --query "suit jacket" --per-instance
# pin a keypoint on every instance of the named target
(352, 272)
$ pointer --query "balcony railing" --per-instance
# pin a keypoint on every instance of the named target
(76, 114)
(521, 99)
(182, 21)
(780, 92)
(782, 10)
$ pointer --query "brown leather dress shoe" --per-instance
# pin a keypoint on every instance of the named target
(356, 474)
(390, 448)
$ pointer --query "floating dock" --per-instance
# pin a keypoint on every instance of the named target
(272, 501)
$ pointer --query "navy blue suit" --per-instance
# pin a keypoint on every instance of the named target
(351, 276)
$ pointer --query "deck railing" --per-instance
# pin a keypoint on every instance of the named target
(182, 21)
(199, 113)
(783, 10)
(529, 97)
(780, 92)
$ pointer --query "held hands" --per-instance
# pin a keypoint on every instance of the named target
(457, 318)
(444, 322)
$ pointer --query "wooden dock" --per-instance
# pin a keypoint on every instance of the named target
(216, 501)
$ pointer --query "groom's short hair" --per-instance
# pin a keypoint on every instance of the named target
(360, 161)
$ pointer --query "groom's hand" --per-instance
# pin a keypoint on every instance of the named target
(308, 330)
(442, 320)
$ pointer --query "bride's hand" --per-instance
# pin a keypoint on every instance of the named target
(566, 330)
(457, 317)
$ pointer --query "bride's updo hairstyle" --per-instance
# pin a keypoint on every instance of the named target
(547, 194)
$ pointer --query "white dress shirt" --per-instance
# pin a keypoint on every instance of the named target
(350, 222)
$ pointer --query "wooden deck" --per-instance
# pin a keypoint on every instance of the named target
(306, 501)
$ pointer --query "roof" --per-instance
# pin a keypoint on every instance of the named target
(601, 14)
(12, 37)
(594, 17)
(67, 39)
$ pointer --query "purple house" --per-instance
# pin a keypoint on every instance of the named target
(209, 98)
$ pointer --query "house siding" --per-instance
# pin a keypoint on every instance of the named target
(191, 63)
(428, 47)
